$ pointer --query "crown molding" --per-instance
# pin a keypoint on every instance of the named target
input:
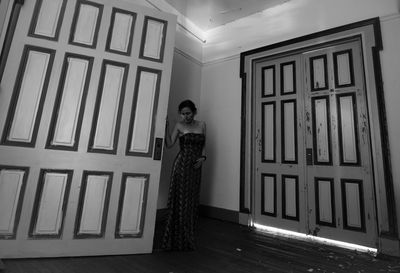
(188, 56)
(390, 17)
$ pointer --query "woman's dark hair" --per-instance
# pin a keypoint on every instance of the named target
(189, 104)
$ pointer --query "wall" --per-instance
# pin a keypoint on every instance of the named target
(221, 90)
(292, 19)
(221, 104)
(390, 60)
(185, 84)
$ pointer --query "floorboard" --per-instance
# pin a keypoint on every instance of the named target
(223, 247)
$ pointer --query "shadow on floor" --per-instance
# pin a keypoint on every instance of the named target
(222, 247)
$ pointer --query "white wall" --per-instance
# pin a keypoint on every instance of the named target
(292, 19)
(390, 60)
(220, 109)
(221, 86)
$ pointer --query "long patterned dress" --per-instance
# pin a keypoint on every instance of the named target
(183, 199)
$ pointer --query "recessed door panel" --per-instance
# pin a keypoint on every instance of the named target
(108, 109)
(47, 20)
(153, 40)
(288, 78)
(347, 122)
(268, 81)
(289, 131)
(120, 34)
(321, 130)
(269, 131)
(93, 204)
(143, 112)
(318, 73)
(71, 98)
(50, 204)
(132, 204)
(269, 192)
(12, 188)
(23, 118)
(86, 23)
(325, 201)
(290, 197)
(353, 204)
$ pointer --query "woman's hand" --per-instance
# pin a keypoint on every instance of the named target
(199, 162)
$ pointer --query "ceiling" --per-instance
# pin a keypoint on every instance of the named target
(209, 14)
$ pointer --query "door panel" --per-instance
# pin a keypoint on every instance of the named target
(82, 99)
(289, 131)
(132, 205)
(70, 102)
(312, 153)
(30, 89)
(51, 198)
(12, 190)
(86, 23)
(143, 112)
(279, 188)
(108, 109)
(121, 31)
(94, 198)
(47, 19)
(340, 178)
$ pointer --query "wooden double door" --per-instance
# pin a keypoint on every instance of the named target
(312, 152)
(83, 101)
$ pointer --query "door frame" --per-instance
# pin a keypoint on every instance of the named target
(371, 44)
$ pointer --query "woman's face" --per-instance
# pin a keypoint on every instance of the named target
(187, 115)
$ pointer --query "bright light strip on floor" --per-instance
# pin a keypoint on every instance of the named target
(301, 236)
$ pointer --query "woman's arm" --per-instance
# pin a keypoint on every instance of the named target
(170, 139)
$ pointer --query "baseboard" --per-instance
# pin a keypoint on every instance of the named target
(207, 211)
(389, 246)
(219, 213)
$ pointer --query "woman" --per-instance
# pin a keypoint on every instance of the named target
(183, 199)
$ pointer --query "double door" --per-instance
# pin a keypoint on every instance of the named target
(313, 170)
(83, 98)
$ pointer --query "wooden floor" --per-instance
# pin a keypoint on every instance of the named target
(222, 248)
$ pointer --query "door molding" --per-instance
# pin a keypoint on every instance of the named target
(10, 26)
(369, 33)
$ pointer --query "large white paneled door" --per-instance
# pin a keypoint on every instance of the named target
(312, 154)
(82, 104)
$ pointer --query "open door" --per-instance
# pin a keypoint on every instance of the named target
(83, 100)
